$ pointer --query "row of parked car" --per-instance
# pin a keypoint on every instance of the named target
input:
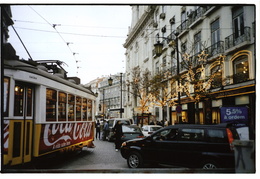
(188, 145)
(130, 130)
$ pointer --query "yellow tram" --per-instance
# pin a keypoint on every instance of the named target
(44, 111)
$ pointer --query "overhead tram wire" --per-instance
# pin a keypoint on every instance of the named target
(67, 43)
(22, 43)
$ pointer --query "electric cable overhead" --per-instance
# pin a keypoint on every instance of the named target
(67, 43)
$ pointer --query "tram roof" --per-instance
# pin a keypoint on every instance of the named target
(31, 67)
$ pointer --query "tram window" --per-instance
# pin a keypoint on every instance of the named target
(51, 100)
(18, 100)
(62, 112)
(71, 111)
(78, 108)
(84, 109)
(29, 101)
(89, 110)
(6, 96)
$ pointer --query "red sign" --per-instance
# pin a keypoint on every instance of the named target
(55, 136)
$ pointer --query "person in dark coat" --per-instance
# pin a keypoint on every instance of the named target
(118, 134)
(98, 129)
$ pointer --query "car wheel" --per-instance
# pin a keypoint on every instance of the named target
(135, 160)
(207, 165)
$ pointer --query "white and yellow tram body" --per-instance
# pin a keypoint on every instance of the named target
(43, 113)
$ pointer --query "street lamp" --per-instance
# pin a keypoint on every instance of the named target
(158, 50)
(110, 82)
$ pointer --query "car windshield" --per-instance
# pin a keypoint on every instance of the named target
(154, 128)
(130, 129)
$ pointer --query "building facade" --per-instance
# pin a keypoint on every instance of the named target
(217, 31)
(110, 98)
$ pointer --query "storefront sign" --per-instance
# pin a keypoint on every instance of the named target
(229, 114)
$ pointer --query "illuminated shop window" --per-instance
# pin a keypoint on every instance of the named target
(241, 69)
(217, 79)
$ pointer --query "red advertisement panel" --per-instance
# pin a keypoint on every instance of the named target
(59, 135)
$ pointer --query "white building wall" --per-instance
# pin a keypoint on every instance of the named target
(141, 40)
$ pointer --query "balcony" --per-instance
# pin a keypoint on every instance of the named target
(235, 40)
(184, 26)
(195, 15)
(215, 49)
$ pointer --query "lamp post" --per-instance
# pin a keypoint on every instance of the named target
(158, 50)
(110, 82)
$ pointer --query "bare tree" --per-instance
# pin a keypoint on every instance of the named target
(197, 82)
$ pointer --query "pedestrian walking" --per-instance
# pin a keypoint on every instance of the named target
(118, 134)
(105, 130)
(98, 129)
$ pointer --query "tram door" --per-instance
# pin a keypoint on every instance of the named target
(22, 125)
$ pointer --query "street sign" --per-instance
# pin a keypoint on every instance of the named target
(178, 109)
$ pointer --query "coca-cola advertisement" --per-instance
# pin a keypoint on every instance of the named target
(59, 135)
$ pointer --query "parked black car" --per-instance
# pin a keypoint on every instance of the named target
(196, 146)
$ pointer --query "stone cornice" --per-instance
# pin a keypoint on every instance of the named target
(139, 26)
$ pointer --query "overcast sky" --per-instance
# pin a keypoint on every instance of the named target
(89, 39)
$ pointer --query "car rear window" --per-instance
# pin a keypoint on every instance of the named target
(217, 136)
(130, 129)
(154, 128)
(192, 135)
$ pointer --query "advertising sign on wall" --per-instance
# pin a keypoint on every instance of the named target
(238, 114)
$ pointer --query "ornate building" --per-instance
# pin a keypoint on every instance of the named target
(218, 32)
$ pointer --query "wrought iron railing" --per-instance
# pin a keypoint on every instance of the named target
(234, 40)
(184, 25)
(217, 48)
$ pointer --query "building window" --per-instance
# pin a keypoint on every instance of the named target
(157, 69)
(51, 102)
(217, 79)
(238, 21)
(241, 69)
(215, 36)
(197, 43)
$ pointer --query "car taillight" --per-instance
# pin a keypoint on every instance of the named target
(230, 139)
(140, 136)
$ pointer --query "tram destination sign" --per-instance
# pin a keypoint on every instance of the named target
(229, 114)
